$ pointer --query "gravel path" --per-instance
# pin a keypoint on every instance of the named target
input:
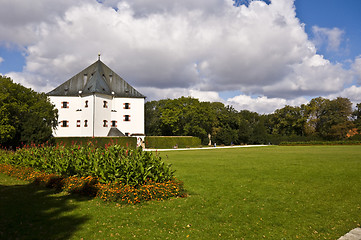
(354, 234)
(203, 148)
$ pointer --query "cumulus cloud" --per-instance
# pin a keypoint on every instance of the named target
(263, 104)
(171, 93)
(313, 76)
(353, 93)
(174, 48)
(22, 21)
(356, 67)
(331, 37)
(30, 80)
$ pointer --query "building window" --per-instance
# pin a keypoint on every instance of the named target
(78, 123)
(64, 104)
(86, 103)
(126, 118)
(105, 123)
(126, 134)
(64, 123)
(85, 123)
(114, 123)
(126, 105)
(105, 104)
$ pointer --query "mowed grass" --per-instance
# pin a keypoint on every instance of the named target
(240, 193)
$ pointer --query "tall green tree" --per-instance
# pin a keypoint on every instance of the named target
(152, 118)
(25, 115)
(247, 122)
(336, 119)
(289, 121)
(184, 116)
(330, 119)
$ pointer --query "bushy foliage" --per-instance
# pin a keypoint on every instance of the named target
(171, 142)
(110, 164)
(309, 143)
(319, 119)
(129, 142)
(25, 115)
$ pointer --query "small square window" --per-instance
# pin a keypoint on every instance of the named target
(105, 104)
(78, 123)
(64, 104)
(126, 134)
(85, 123)
(126, 105)
(105, 123)
(126, 118)
(114, 123)
(64, 123)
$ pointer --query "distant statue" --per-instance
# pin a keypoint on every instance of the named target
(139, 142)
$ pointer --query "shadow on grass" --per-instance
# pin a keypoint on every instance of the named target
(32, 212)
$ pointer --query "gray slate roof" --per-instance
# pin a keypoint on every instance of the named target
(115, 132)
(97, 78)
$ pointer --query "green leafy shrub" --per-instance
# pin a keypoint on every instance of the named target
(278, 139)
(346, 142)
(171, 142)
(112, 163)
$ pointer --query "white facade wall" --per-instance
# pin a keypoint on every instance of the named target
(101, 114)
(135, 125)
(94, 112)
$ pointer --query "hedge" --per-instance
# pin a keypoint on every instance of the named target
(129, 142)
(171, 142)
(346, 142)
(279, 139)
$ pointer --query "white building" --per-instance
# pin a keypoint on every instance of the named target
(97, 103)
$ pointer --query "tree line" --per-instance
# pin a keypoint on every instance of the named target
(320, 119)
(28, 117)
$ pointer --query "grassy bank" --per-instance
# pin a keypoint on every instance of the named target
(244, 193)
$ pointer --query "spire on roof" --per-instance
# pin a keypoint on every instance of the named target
(99, 56)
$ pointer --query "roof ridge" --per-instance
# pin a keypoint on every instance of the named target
(96, 78)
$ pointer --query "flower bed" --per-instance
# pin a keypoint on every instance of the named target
(113, 163)
(112, 173)
(90, 186)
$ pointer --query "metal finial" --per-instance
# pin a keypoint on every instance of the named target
(98, 56)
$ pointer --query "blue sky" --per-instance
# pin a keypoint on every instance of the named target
(259, 55)
(344, 15)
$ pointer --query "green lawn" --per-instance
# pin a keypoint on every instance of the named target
(241, 193)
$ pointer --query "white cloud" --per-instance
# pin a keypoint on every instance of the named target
(313, 76)
(171, 93)
(30, 80)
(1, 59)
(353, 93)
(174, 48)
(22, 21)
(332, 38)
(356, 67)
(263, 104)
